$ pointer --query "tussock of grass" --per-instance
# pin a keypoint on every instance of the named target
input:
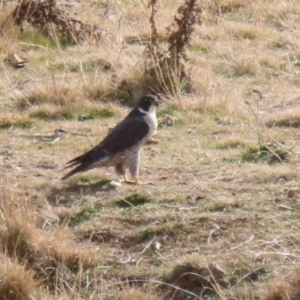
(15, 122)
(269, 153)
(50, 256)
(139, 294)
(246, 31)
(47, 114)
(231, 143)
(16, 283)
(230, 6)
(57, 95)
(284, 289)
(222, 205)
(192, 277)
(285, 119)
(271, 63)
(282, 43)
(244, 69)
(21, 240)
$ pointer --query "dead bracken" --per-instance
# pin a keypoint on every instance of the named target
(52, 20)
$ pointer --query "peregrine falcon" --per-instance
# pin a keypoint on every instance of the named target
(121, 147)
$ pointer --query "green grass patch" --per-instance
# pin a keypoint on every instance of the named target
(92, 182)
(91, 113)
(249, 35)
(35, 37)
(231, 6)
(230, 144)
(269, 153)
(44, 114)
(74, 68)
(169, 109)
(23, 122)
(145, 235)
(133, 200)
(68, 113)
(220, 206)
(185, 86)
(85, 214)
(278, 45)
(200, 48)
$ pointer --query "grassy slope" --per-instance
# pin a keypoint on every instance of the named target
(77, 240)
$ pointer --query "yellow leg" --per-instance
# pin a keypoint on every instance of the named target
(125, 178)
(135, 181)
(138, 182)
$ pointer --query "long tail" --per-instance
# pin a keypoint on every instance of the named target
(84, 162)
(78, 169)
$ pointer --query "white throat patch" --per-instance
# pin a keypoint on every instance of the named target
(142, 111)
(152, 109)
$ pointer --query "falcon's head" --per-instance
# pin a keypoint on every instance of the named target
(148, 103)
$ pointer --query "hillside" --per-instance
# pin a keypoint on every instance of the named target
(219, 218)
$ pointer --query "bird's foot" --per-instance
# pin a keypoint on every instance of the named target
(138, 182)
(128, 181)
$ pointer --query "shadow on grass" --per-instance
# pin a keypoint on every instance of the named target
(67, 195)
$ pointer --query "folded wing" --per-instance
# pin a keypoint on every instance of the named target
(125, 135)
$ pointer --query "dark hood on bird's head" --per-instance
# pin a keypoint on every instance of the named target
(148, 100)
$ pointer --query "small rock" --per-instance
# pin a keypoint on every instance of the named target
(15, 61)
(195, 197)
(167, 121)
(113, 185)
(156, 246)
(293, 193)
(190, 130)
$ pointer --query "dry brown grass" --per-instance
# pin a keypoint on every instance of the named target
(207, 206)
(15, 281)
